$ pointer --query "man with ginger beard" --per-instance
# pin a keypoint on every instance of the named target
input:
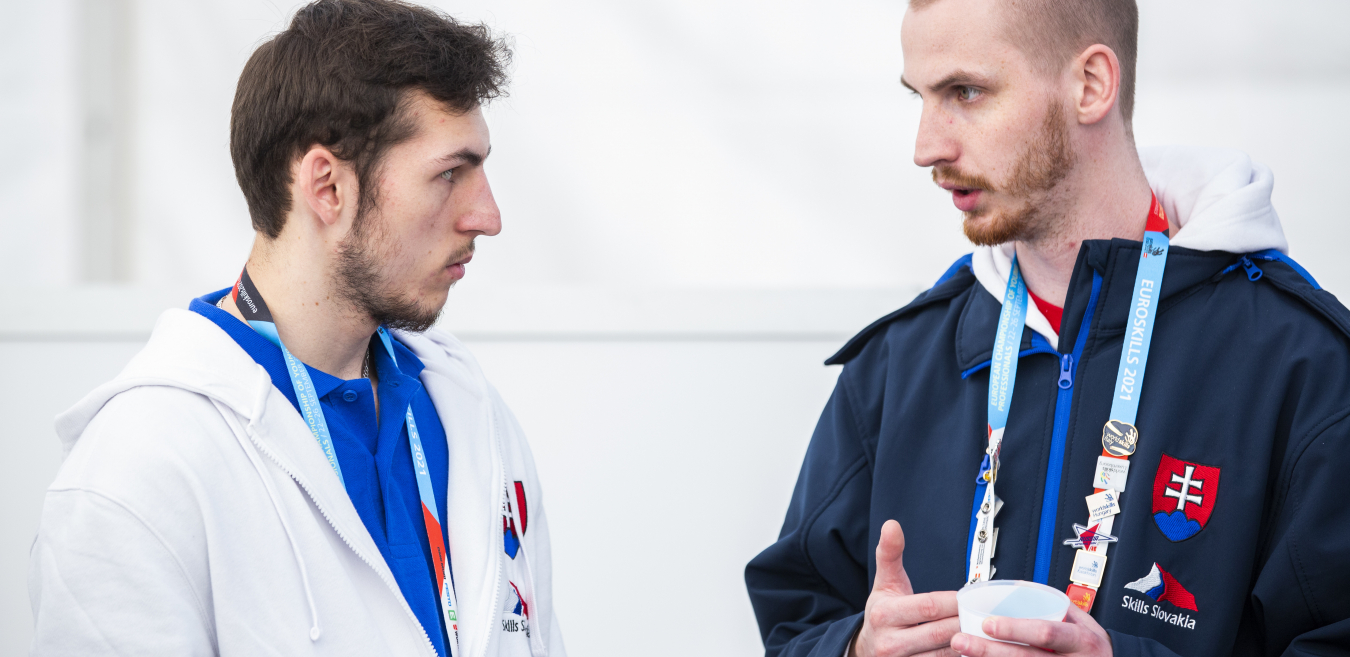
(1128, 392)
(295, 464)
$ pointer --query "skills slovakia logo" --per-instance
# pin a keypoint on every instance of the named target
(516, 615)
(511, 540)
(1163, 587)
(1183, 497)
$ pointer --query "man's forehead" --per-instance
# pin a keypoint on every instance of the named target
(440, 128)
(946, 36)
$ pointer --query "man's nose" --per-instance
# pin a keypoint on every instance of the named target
(935, 143)
(483, 216)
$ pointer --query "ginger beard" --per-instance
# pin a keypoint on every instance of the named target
(1044, 163)
(364, 280)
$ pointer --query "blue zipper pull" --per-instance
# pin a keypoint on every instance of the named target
(1254, 273)
(1066, 371)
(985, 466)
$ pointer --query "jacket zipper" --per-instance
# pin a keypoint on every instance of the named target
(1254, 273)
(1054, 470)
(392, 586)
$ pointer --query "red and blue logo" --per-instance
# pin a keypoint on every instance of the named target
(1163, 587)
(511, 539)
(1183, 497)
(521, 608)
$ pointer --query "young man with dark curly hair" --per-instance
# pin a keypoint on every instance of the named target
(296, 465)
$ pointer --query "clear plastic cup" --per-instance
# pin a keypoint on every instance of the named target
(1009, 598)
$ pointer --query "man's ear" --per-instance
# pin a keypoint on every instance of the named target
(1097, 83)
(325, 184)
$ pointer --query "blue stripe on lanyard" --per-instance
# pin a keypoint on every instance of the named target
(424, 490)
(304, 393)
(1139, 327)
(1003, 363)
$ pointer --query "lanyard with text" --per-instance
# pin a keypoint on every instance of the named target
(1120, 438)
(1002, 377)
(252, 306)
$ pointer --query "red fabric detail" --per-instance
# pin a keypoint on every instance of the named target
(437, 544)
(1157, 218)
(1175, 593)
(1051, 311)
(524, 511)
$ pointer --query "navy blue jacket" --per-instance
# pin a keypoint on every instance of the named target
(1248, 381)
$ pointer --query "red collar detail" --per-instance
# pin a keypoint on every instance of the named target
(1052, 312)
(1157, 218)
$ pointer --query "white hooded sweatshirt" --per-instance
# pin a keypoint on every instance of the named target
(195, 514)
(1219, 197)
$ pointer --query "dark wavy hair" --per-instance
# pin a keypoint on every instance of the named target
(340, 76)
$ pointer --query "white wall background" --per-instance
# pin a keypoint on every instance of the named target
(701, 200)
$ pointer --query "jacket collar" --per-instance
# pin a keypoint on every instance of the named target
(1115, 262)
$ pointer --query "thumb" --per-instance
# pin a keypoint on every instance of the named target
(890, 563)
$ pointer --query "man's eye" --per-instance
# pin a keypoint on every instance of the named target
(967, 93)
(447, 174)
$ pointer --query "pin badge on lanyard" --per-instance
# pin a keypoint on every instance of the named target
(1002, 377)
(250, 304)
(1120, 437)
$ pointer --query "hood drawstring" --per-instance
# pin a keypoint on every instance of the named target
(254, 458)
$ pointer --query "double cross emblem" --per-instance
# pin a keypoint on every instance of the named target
(1188, 483)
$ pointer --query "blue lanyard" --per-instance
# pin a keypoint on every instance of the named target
(1002, 379)
(252, 306)
(1139, 330)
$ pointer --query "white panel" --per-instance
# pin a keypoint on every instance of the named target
(665, 467)
(39, 142)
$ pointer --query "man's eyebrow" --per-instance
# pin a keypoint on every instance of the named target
(960, 78)
(955, 78)
(465, 155)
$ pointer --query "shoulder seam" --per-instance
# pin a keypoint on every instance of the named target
(852, 471)
(182, 570)
(1309, 297)
(1287, 477)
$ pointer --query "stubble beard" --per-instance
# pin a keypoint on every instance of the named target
(364, 283)
(1046, 161)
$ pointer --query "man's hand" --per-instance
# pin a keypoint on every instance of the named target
(1079, 634)
(898, 623)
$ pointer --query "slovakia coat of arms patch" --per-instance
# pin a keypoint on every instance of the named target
(1183, 497)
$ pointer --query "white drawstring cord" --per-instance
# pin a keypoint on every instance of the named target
(260, 403)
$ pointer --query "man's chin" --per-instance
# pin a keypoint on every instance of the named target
(986, 227)
(982, 229)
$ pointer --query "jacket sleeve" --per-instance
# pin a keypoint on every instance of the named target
(102, 583)
(1300, 599)
(809, 588)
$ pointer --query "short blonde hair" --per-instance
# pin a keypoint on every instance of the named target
(1053, 32)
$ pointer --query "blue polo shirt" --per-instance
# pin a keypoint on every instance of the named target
(376, 461)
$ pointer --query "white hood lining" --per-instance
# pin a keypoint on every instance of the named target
(1219, 197)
